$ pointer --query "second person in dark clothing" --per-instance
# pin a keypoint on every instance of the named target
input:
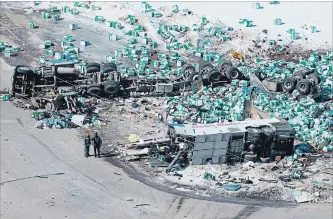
(87, 142)
(97, 145)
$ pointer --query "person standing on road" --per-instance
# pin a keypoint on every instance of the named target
(97, 145)
(87, 142)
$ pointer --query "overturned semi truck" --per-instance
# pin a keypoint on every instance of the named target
(92, 80)
(304, 80)
(105, 81)
(55, 74)
(248, 140)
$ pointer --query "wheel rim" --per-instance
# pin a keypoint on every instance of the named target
(302, 87)
(206, 69)
(48, 107)
(234, 74)
(215, 77)
(224, 67)
(196, 78)
(111, 91)
(187, 73)
(287, 85)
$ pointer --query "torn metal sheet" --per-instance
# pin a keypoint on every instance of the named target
(78, 119)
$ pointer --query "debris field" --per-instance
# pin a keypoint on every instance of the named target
(184, 99)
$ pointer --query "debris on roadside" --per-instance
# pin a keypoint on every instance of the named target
(250, 121)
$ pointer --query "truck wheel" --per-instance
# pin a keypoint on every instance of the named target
(299, 75)
(94, 90)
(194, 76)
(205, 68)
(93, 64)
(187, 70)
(253, 133)
(110, 64)
(49, 107)
(314, 79)
(214, 76)
(233, 73)
(223, 66)
(268, 131)
(26, 72)
(93, 67)
(109, 67)
(289, 84)
(111, 88)
(250, 157)
(303, 86)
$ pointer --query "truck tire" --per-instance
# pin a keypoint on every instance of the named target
(253, 134)
(289, 84)
(92, 69)
(23, 70)
(314, 79)
(49, 107)
(111, 88)
(268, 131)
(250, 157)
(299, 75)
(253, 131)
(109, 67)
(194, 76)
(303, 87)
(94, 90)
(223, 66)
(214, 76)
(205, 68)
(93, 64)
(110, 64)
(233, 73)
(187, 70)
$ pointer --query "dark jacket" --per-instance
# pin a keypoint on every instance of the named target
(97, 141)
(87, 140)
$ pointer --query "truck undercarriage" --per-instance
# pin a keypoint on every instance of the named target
(106, 82)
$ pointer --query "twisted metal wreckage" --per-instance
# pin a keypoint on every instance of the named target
(200, 145)
(106, 81)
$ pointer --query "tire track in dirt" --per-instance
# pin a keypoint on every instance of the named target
(246, 212)
(180, 203)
